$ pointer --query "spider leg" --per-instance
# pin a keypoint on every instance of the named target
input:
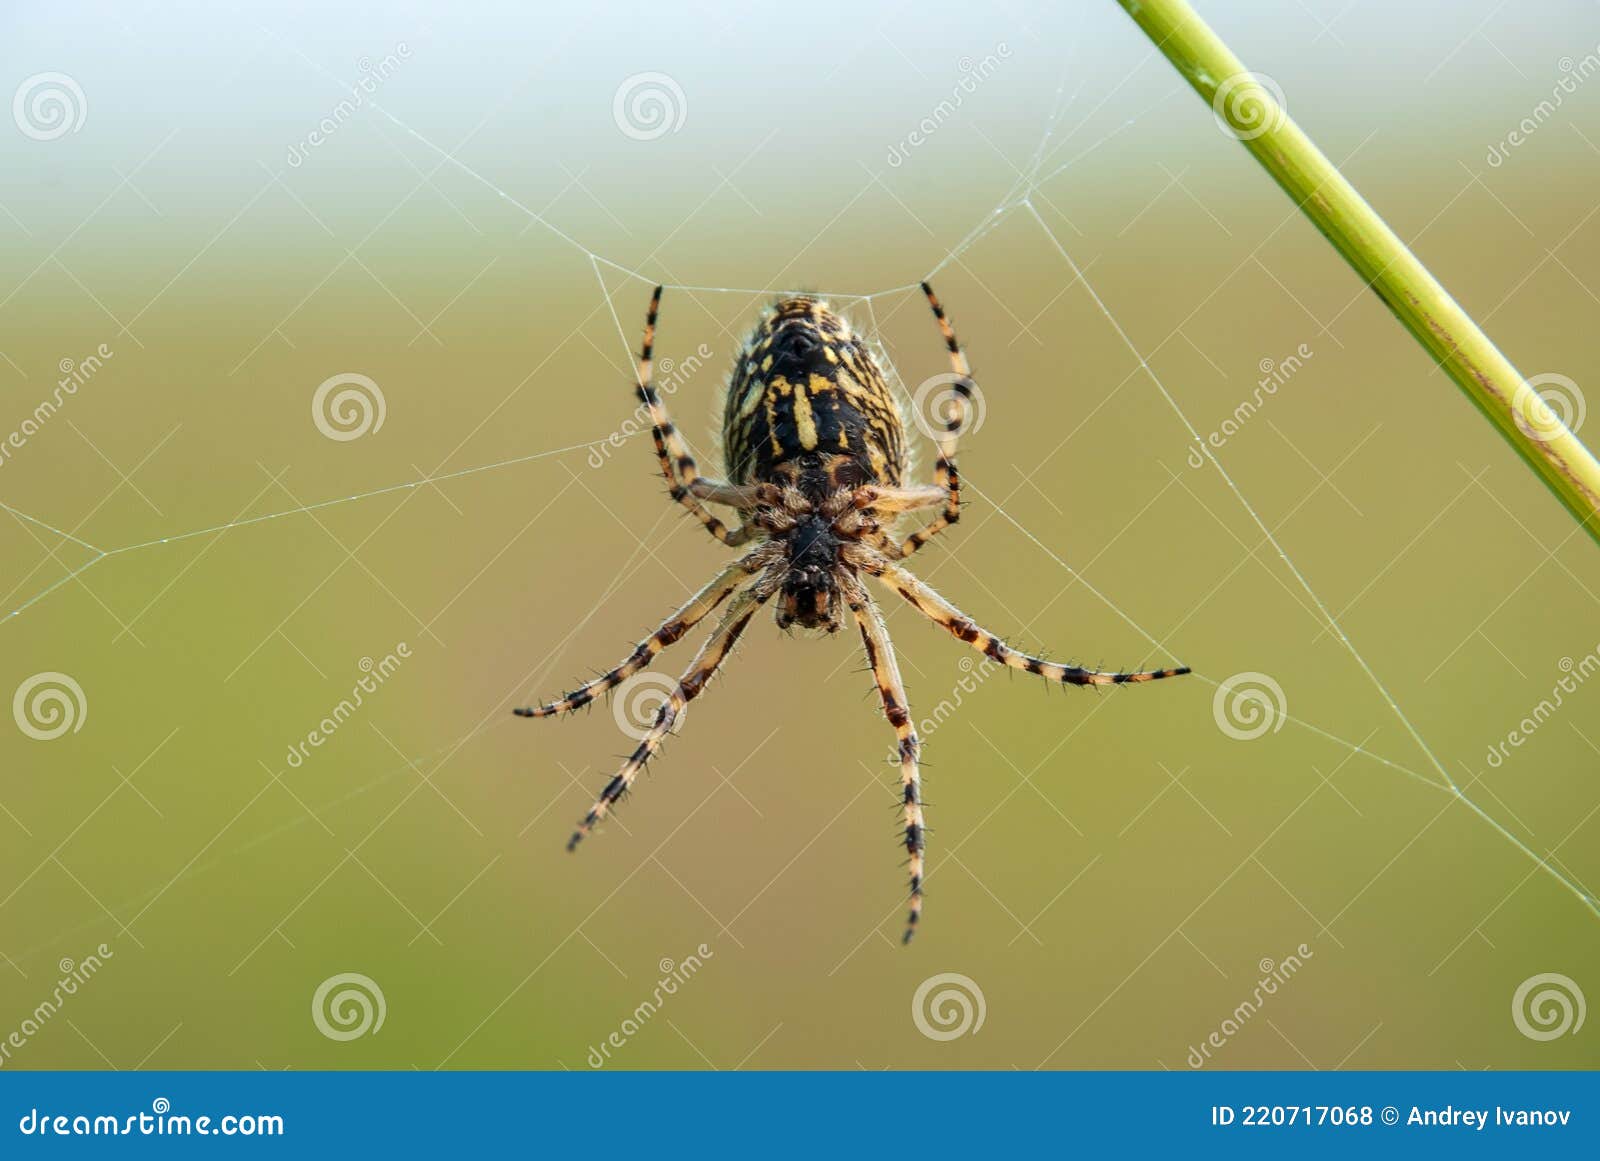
(942, 613)
(712, 654)
(896, 500)
(669, 632)
(677, 465)
(744, 497)
(886, 672)
(945, 475)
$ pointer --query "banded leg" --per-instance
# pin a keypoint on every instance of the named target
(694, 679)
(669, 632)
(886, 672)
(745, 498)
(945, 474)
(942, 613)
(677, 465)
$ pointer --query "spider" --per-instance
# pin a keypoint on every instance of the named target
(816, 455)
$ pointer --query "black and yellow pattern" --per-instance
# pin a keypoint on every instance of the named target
(807, 401)
(816, 463)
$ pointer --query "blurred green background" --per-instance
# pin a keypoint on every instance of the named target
(1109, 872)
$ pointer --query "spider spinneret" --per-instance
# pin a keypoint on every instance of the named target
(815, 453)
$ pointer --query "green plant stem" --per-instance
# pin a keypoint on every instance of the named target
(1382, 260)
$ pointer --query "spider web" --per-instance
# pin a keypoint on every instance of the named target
(1019, 199)
(1045, 164)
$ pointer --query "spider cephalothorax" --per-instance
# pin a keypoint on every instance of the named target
(813, 537)
(811, 586)
(815, 450)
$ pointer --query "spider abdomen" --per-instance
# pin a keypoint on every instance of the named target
(807, 405)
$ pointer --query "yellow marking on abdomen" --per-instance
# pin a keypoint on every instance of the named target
(805, 424)
(752, 399)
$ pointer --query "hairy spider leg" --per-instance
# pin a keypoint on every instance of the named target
(690, 685)
(669, 632)
(941, 612)
(677, 465)
(886, 673)
(946, 476)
